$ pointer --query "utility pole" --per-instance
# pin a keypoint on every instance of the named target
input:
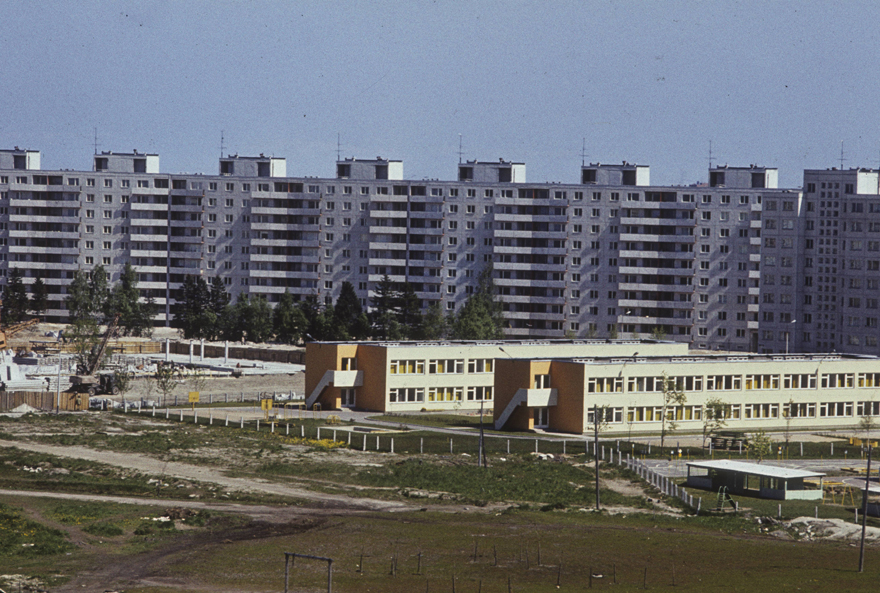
(58, 387)
(865, 512)
(596, 448)
(482, 453)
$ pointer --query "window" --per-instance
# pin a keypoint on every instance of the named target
(445, 366)
(835, 409)
(481, 365)
(761, 411)
(837, 380)
(758, 382)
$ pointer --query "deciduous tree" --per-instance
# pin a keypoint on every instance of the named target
(673, 396)
(135, 313)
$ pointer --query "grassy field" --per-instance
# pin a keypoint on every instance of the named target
(533, 551)
(524, 519)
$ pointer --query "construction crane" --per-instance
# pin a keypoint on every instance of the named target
(86, 380)
(8, 332)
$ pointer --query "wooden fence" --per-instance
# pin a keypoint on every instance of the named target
(43, 400)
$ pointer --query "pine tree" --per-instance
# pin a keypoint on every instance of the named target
(480, 318)
(348, 315)
(434, 325)
(39, 300)
(383, 315)
(311, 312)
(79, 298)
(15, 299)
(259, 319)
(99, 293)
(193, 313)
(288, 321)
(409, 312)
(218, 301)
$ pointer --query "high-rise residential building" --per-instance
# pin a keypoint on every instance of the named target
(735, 264)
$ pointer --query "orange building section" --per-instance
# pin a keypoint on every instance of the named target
(569, 379)
(373, 361)
(511, 376)
(323, 357)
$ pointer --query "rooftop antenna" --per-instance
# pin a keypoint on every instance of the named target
(584, 152)
(96, 140)
(338, 146)
(459, 149)
(710, 154)
(222, 143)
(841, 155)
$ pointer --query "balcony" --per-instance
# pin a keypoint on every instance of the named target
(146, 207)
(658, 238)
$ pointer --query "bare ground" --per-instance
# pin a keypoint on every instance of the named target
(202, 473)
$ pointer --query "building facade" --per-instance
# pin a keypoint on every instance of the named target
(758, 392)
(736, 264)
(437, 376)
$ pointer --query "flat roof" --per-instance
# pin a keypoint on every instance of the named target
(701, 357)
(755, 469)
(536, 342)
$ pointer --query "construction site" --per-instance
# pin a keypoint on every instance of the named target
(45, 370)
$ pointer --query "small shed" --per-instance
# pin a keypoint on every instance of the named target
(764, 481)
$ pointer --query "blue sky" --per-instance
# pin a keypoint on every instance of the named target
(779, 84)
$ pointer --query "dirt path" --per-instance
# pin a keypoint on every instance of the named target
(185, 471)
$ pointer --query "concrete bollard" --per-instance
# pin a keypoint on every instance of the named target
(302, 431)
(195, 416)
(287, 433)
(167, 411)
(242, 421)
(392, 444)
(258, 425)
(181, 415)
(273, 428)
(227, 419)
(365, 442)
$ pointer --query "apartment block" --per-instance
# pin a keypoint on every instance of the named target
(735, 264)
